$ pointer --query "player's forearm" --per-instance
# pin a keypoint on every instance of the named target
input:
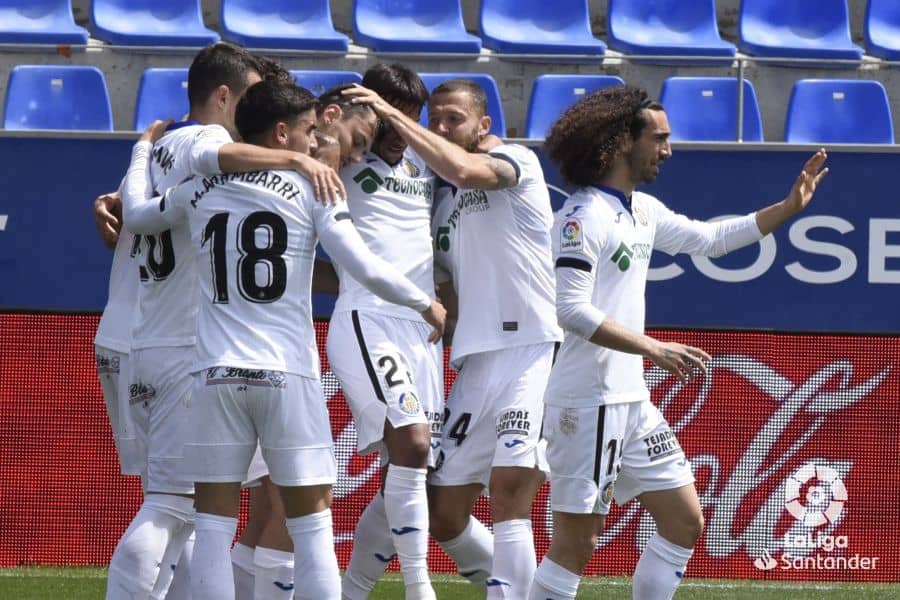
(241, 158)
(140, 213)
(616, 336)
(772, 217)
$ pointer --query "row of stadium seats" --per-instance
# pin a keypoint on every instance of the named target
(809, 29)
(699, 108)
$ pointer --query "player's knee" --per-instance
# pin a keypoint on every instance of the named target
(409, 446)
(445, 525)
(684, 530)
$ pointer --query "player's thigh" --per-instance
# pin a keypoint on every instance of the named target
(291, 418)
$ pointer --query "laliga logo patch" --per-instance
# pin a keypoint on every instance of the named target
(818, 509)
(571, 235)
(409, 404)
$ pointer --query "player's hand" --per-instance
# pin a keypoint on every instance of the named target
(436, 316)
(154, 131)
(326, 183)
(680, 360)
(805, 186)
(363, 95)
(108, 217)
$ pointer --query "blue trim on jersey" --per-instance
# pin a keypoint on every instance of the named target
(625, 200)
(180, 124)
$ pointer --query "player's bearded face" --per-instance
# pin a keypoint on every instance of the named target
(454, 117)
(651, 148)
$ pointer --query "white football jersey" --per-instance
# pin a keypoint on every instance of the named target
(166, 308)
(391, 209)
(502, 262)
(114, 330)
(441, 231)
(599, 232)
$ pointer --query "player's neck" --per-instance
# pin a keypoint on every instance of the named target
(618, 179)
(205, 116)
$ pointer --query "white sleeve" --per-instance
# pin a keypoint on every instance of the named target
(677, 234)
(142, 212)
(577, 241)
(204, 156)
(346, 248)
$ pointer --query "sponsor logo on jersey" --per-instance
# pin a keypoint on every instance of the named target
(141, 392)
(409, 403)
(662, 444)
(107, 364)
(470, 201)
(513, 422)
(368, 180)
(236, 375)
(408, 187)
(571, 238)
(436, 422)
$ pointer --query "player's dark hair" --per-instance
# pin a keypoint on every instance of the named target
(336, 96)
(269, 102)
(272, 69)
(399, 85)
(584, 142)
(215, 65)
(479, 98)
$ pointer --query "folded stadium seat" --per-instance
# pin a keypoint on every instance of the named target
(318, 82)
(705, 109)
(57, 97)
(281, 24)
(39, 22)
(538, 27)
(839, 111)
(162, 94)
(150, 23)
(882, 29)
(403, 26)
(494, 104)
(797, 29)
(553, 94)
(666, 27)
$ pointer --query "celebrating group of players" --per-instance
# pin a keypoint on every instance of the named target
(208, 360)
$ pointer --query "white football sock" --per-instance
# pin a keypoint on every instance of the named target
(211, 575)
(406, 506)
(180, 589)
(553, 582)
(660, 569)
(136, 560)
(244, 571)
(170, 561)
(373, 550)
(274, 576)
(315, 563)
(514, 560)
(472, 551)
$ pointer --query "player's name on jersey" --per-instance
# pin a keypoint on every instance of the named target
(265, 179)
(470, 201)
(164, 158)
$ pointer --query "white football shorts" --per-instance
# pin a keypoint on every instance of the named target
(112, 370)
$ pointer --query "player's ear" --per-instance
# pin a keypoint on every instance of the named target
(484, 126)
(221, 95)
(280, 134)
(332, 113)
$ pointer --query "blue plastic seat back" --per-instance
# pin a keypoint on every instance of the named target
(290, 24)
(318, 82)
(705, 109)
(162, 94)
(538, 26)
(839, 111)
(666, 27)
(39, 22)
(799, 28)
(882, 29)
(494, 104)
(412, 26)
(551, 95)
(57, 97)
(150, 22)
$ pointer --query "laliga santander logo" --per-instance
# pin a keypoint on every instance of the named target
(824, 501)
(571, 230)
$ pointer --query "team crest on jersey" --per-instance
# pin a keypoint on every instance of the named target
(640, 215)
(606, 495)
(568, 421)
(411, 169)
(572, 235)
(409, 403)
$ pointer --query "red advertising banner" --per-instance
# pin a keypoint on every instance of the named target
(793, 439)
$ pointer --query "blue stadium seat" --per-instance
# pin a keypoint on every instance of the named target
(57, 97)
(150, 23)
(666, 28)
(162, 94)
(39, 22)
(839, 111)
(538, 27)
(495, 106)
(705, 109)
(882, 29)
(553, 94)
(403, 26)
(282, 24)
(797, 29)
(319, 82)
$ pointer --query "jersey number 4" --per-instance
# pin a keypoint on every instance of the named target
(252, 255)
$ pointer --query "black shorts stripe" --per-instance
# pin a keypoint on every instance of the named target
(370, 369)
(598, 451)
(574, 263)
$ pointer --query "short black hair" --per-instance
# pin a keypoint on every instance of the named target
(336, 96)
(218, 64)
(271, 69)
(399, 85)
(269, 102)
(479, 97)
